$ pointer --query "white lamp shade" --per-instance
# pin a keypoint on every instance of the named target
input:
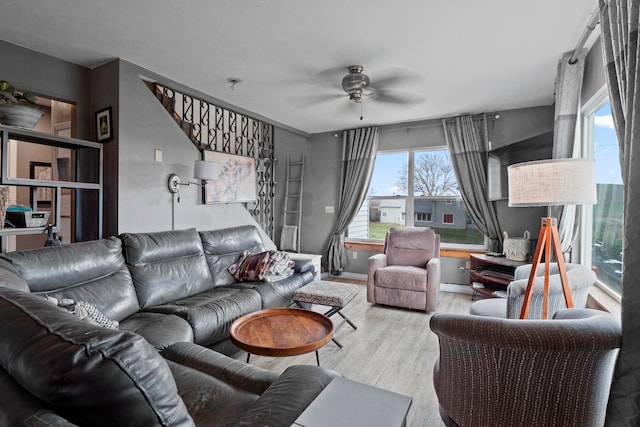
(552, 182)
(205, 170)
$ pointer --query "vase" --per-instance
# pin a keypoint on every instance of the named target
(4, 202)
(19, 115)
(52, 239)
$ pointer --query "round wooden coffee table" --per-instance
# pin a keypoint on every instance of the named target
(282, 332)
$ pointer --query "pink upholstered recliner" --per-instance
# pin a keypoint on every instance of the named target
(407, 274)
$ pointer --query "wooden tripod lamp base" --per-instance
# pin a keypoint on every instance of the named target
(547, 240)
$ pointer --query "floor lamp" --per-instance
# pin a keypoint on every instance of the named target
(550, 183)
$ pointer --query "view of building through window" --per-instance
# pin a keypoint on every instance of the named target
(434, 200)
(606, 239)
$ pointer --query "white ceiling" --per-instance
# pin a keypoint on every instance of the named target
(457, 56)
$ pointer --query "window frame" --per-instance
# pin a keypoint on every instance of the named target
(587, 115)
(409, 217)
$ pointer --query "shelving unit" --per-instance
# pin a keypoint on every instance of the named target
(85, 173)
(493, 273)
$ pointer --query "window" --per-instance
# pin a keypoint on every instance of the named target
(602, 222)
(423, 217)
(414, 188)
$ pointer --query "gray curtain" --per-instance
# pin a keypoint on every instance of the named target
(467, 140)
(567, 100)
(619, 20)
(360, 147)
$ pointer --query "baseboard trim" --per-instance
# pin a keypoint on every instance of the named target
(444, 287)
(456, 288)
(347, 275)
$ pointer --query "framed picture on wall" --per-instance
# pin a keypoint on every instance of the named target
(104, 125)
(236, 181)
(42, 172)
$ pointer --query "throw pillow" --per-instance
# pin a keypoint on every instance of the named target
(85, 311)
(250, 267)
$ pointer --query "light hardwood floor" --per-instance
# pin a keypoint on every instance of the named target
(392, 348)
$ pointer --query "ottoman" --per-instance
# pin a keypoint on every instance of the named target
(333, 294)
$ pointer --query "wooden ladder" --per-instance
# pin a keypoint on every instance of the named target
(292, 212)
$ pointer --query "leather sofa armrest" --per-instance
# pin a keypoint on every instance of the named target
(233, 372)
(288, 397)
(375, 262)
(303, 265)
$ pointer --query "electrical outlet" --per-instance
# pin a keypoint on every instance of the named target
(157, 155)
(328, 209)
(355, 255)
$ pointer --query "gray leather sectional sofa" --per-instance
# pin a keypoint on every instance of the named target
(173, 298)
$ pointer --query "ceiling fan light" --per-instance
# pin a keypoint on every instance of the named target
(356, 96)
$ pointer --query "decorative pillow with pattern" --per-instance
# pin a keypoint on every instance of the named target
(251, 267)
(85, 311)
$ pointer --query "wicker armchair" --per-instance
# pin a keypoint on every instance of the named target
(498, 372)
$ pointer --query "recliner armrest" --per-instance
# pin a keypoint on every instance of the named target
(233, 372)
(373, 263)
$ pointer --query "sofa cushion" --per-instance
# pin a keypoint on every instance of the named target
(93, 272)
(21, 408)
(160, 330)
(224, 247)
(166, 266)
(279, 293)
(413, 246)
(209, 400)
(88, 374)
(211, 313)
(402, 277)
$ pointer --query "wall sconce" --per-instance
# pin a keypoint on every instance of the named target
(202, 170)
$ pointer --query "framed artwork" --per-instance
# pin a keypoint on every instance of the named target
(236, 181)
(42, 172)
(104, 125)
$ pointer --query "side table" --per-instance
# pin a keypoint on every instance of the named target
(349, 403)
(490, 275)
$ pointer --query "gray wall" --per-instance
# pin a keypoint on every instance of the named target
(51, 77)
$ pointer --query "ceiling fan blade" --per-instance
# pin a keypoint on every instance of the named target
(396, 76)
(379, 95)
(310, 100)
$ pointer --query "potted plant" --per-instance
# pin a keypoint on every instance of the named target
(18, 108)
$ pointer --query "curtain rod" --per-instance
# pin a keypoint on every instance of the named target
(593, 21)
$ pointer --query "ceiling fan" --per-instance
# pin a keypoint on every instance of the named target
(359, 87)
(393, 86)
